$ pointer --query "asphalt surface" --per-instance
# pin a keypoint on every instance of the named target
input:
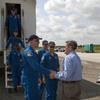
(90, 89)
(92, 57)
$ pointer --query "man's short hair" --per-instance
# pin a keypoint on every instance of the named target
(72, 43)
(51, 43)
(44, 41)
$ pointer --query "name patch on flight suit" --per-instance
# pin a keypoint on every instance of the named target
(29, 54)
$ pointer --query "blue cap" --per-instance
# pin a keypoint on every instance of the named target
(33, 36)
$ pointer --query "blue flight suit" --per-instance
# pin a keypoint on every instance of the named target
(15, 63)
(13, 41)
(30, 74)
(15, 59)
(52, 63)
(41, 86)
(12, 24)
(19, 25)
(40, 53)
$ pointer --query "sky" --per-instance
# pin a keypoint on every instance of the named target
(62, 20)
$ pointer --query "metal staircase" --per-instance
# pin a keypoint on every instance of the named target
(8, 73)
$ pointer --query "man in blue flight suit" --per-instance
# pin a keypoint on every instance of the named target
(19, 22)
(43, 50)
(50, 61)
(14, 58)
(31, 69)
(12, 23)
(19, 25)
(14, 40)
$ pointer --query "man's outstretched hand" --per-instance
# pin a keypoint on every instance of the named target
(52, 74)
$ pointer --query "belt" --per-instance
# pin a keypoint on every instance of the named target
(70, 81)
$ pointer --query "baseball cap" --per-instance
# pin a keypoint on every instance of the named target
(33, 36)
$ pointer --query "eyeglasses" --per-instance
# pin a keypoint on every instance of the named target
(52, 46)
(45, 44)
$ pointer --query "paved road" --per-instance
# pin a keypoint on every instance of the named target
(92, 57)
(90, 89)
(91, 71)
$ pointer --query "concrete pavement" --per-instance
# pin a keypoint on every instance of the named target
(92, 57)
(91, 72)
(90, 89)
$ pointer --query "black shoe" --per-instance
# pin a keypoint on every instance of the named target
(98, 81)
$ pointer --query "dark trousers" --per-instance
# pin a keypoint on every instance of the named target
(51, 89)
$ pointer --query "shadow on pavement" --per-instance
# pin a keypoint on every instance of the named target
(6, 94)
(90, 89)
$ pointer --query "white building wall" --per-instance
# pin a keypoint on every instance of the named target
(1, 25)
(29, 17)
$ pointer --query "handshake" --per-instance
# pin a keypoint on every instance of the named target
(52, 74)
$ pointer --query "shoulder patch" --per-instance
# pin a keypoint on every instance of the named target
(29, 54)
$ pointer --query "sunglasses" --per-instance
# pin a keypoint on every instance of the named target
(45, 44)
(52, 46)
